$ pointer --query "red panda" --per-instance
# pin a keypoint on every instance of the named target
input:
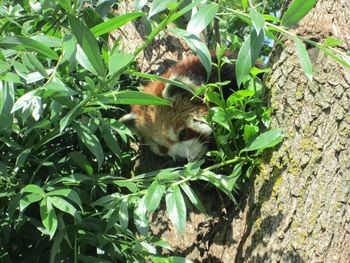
(180, 130)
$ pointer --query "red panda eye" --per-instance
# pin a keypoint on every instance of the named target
(183, 134)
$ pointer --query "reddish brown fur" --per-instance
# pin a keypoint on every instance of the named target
(156, 123)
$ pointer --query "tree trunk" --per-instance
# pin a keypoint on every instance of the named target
(298, 206)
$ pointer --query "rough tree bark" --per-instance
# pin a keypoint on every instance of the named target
(299, 209)
(298, 206)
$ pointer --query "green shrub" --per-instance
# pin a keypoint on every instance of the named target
(66, 190)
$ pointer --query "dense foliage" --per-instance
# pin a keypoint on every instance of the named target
(66, 191)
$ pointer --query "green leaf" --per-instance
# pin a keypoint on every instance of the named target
(114, 23)
(131, 97)
(64, 206)
(214, 97)
(24, 43)
(140, 218)
(37, 65)
(29, 199)
(219, 116)
(197, 46)
(257, 19)
(193, 197)
(110, 139)
(220, 181)
(10, 77)
(154, 196)
(238, 96)
(48, 216)
(7, 95)
(49, 41)
(88, 43)
(331, 53)
(91, 142)
(159, 6)
(202, 18)
(123, 214)
(248, 54)
(184, 11)
(118, 61)
(33, 188)
(80, 160)
(266, 140)
(68, 193)
(70, 115)
(333, 42)
(249, 133)
(55, 89)
(303, 57)
(176, 207)
(296, 11)
(66, 4)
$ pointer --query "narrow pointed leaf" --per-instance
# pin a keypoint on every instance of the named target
(202, 18)
(248, 54)
(266, 140)
(114, 23)
(123, 214)
(48, 216)
(176, 208)
(64, 206)
(257, 19)
(296, 11)
(303, 57)
(154, 196)
(197, 46)
(88, 43)
(25, 43)
(91, 142)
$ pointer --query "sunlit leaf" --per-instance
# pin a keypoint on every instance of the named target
(266, 140)
(159, 6)
(303, 58)
(197, 46)
(48, 216)
(296, 11)
(28, 199)
(154, 196)
(88, 43)
(64, 206)
(114, 23)
(25, 43)
(202, 18)
(140, 218)
(176, 207)
(257, 19)
(248, 54)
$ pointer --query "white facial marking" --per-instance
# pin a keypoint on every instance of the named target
(200, 126)
(191, 150)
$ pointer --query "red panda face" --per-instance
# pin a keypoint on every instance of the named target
(179, 130)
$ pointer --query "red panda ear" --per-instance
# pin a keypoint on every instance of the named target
(129, 120)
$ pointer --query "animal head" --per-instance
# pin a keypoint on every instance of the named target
(179, 130)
